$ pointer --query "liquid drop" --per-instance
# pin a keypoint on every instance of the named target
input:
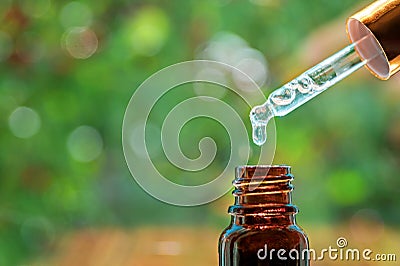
(259, 117)
(259, 134)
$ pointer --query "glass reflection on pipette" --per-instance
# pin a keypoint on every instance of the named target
(305, 87)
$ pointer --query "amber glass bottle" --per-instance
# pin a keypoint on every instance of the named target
(263, 228)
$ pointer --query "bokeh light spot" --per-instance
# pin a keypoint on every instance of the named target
(80, 42)
(85, 144)
(148, 31)
(24, 122)
(203, 88)
(347, 187)
(231, 49)
(253, 63)
(223, 47)
(76, 14)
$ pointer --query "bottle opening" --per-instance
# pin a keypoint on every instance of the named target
(261, 171)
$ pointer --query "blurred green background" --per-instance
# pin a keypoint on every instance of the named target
(67, 72)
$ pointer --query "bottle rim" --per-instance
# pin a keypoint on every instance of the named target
(254, 171)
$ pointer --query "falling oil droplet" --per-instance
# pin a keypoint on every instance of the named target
(259, 117)
(259, 134)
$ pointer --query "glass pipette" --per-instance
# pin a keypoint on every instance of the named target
(306, 86)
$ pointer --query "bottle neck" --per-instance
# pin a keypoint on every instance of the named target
(264, 221)
(263, 196)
